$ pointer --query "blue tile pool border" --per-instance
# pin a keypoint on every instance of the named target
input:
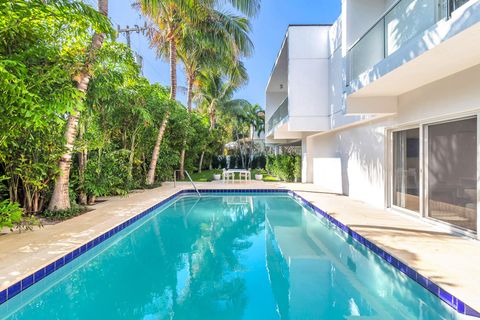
(428, 284)
(38, 275)
(431, 286)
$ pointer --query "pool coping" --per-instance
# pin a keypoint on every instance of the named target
(36, 276)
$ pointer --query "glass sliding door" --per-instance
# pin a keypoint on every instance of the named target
(452, 172)
(406, 169)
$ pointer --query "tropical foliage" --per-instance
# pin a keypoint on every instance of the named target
(79, 121)
(287, 167)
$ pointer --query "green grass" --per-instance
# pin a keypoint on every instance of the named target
(266, 176)
(207, 176)
(204, 176)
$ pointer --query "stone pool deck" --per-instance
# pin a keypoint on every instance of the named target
(451, 261)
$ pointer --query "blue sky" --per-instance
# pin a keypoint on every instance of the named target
(268, 31)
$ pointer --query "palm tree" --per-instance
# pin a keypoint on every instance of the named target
(194, 54)
(171, 18)
(209, 42)
(246, 119)
(215, 92)
(168, 17)
(255, 118)
(60, 197)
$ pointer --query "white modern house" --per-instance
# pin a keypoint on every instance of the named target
(384, 103)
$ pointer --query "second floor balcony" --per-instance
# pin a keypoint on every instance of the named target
(297, 91)
(407, 30)
(279, 117)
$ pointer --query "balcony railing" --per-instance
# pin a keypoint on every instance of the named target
(405, 20)
(278, 116)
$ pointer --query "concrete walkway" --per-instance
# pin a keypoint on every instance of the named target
(452, 262)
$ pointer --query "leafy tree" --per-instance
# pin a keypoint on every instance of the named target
(42, 45)
(10, 214)
(208, 45)
(250, 121)
(168, 16)
(124, 109)
(70, 94)
(172, 19)
(60, 199)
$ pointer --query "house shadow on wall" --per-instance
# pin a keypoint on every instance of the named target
(362, 157)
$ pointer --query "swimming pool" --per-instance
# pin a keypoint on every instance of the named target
(228, 256)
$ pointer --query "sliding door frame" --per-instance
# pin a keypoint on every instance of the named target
(423, 172)
(391, 169)
(478, 176)
(425, 166)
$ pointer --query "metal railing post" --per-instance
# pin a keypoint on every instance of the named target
(193, 184)
(189, 178)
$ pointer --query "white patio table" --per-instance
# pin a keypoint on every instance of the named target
(243, 173)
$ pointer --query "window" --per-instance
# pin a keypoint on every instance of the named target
(452, 172)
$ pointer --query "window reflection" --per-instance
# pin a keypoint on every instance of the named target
(406, 169)
(452, 172)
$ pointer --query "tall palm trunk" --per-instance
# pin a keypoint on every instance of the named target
(60, 198)
(190, 80)
(150, 179)
(213, 119)
(241, 150)
(252, 147)
(156, 151)
(200, 163)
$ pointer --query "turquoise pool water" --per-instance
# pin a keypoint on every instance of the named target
(228, 256)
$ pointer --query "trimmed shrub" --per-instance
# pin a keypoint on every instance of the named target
(10, 214)
(287, 167)
(297, 169)
(74, 211)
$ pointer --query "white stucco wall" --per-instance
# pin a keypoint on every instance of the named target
(360, 152)
(351, 154)
(328, 173)
(362, 148)
(337, 79)
(308, 80)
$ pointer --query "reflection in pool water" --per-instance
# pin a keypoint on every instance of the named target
(242, 256)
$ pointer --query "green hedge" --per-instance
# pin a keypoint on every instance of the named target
(287, 167)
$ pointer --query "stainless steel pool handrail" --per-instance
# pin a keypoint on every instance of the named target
(189, 178)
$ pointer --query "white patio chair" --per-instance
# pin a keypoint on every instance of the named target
(228, 176)
(246, 175)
